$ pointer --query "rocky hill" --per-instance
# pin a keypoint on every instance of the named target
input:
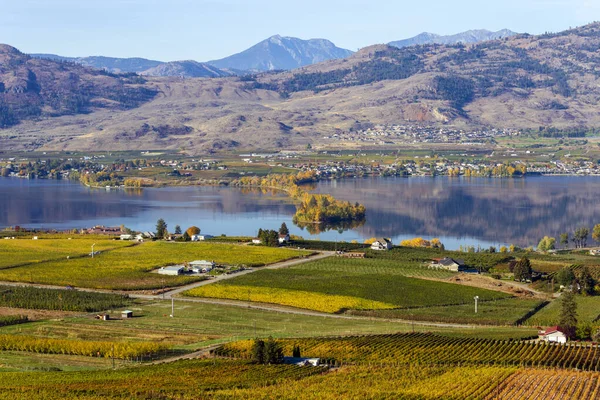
(111, 64)
(472, 36)
(33, 88)
(521, 82)
(282, 53)
(186, 69)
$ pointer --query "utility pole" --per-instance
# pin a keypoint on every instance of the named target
(476, 298)
(172, 307)
(93, 250)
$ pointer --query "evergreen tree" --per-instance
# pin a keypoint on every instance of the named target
(587, 282)
(161, 228)
(283, 230)
(565, 277)
(296, 351)
(568, 314)
(186, 237)
(177, 230)
(273, 352)
(522, 270)
(258, 351)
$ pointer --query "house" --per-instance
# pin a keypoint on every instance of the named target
(381, 244)
(199, 238)
(172, 270)
(595, 252)
(139, 237)
(283, 239)
(126, 314)
(201, 266)
(302, 361)
(450, 264)
(256, 241)
(553, 334)
(126, 237)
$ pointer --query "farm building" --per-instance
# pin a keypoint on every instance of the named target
(450, 264)
(201, 265)
(256, 241)
(200, 238)
(553, 334)
(126, 237)
(283, 239)
(301, 361)
(595, 252)
(172, 270)
(126, 314)
(381, 244)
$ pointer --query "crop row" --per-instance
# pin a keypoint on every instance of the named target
(57, 299)
(6, 320)
(426, 348)
(118, 350)
(548, 384)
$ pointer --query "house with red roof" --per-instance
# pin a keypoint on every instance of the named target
(553, 334)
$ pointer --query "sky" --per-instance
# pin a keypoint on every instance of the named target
(203, 30)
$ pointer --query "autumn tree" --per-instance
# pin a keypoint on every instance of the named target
(547, 243)
(596, 233)
(192, 230)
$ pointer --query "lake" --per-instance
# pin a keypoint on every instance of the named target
(460, 211)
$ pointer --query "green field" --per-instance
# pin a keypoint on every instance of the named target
(588, 310)
(369, 280)
(128, 268)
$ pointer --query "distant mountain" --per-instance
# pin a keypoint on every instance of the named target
(282, 53)
(472, 36)
(186, 69)
(111, 64)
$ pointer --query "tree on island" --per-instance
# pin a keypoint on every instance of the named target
(564, 240)
(283, 230)
(161, 228)
(177, 230)
(568, 314)
(596, 233)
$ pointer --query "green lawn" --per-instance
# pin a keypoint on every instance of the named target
(588, 310)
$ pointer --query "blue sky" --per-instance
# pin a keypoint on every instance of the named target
(209, 29)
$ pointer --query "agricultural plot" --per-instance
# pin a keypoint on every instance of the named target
(428, 349)
(367, 281)
(56, 299)
(182, 380)
(128, 268)
(548, 384)
(25, 251)
(588, 310)
(498, 312)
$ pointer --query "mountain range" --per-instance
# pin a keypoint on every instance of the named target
(519, 82)
(275, 53)
(472, 36)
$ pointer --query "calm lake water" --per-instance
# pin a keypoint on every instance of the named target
(460, 211)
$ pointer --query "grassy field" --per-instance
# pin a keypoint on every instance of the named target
(23, 251)
(127, 268)
(370, 280)
(588, 310)
(499, 312)
(12, 361)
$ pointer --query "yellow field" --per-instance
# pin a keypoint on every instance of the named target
(25, 251)
(549, 384)
(128, 268)
(293, 298)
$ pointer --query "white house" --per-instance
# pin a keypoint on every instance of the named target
(199, 238)
(126, 237)
(201, 265)
(256, 241)
(283, 239)
(381, 244)
(595, 252)
(553, 334)
(172, 270)
(302, 361)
